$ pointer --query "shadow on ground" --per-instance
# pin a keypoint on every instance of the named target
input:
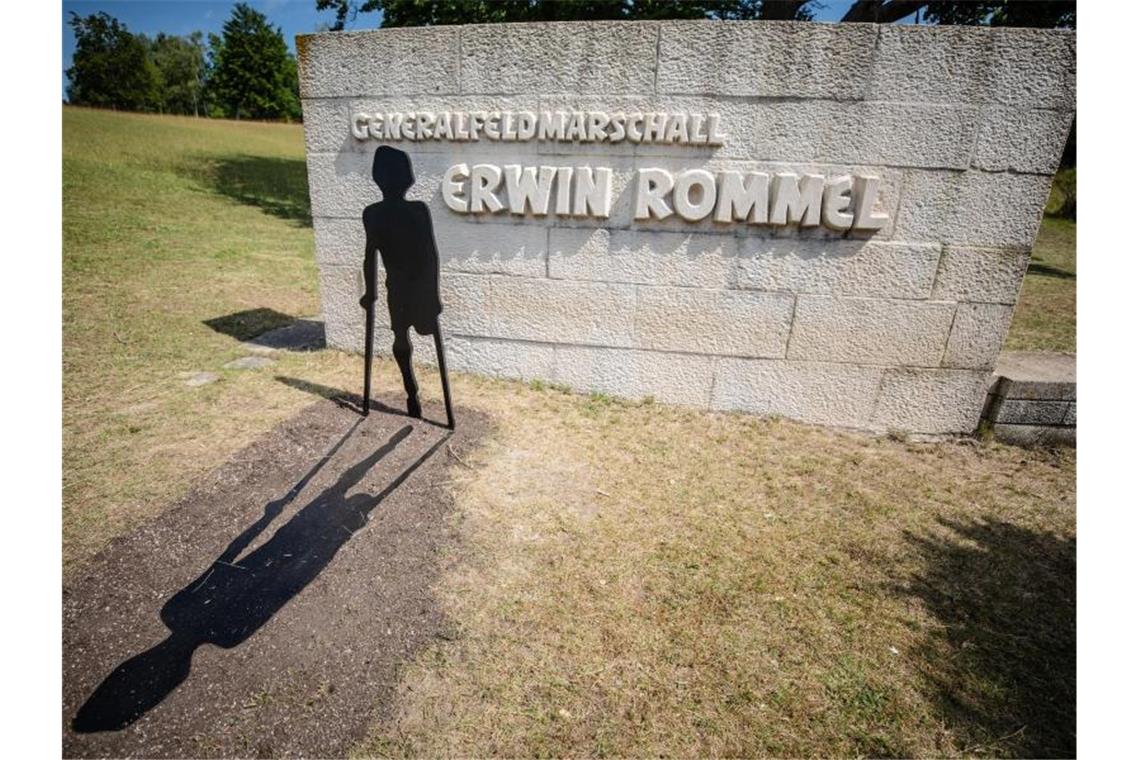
(233, 598)
(1046, 270)
(244, 325)
(353, 401)
(1005, 597)
(277, 186)
(269, 328)
(268, 612)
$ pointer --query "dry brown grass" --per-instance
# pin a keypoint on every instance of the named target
(639, 580)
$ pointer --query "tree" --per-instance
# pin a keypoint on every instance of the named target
(433, 12)
(252, 74)
(1048, 14)
(111, 67)
(1044, 13)
(181, 64)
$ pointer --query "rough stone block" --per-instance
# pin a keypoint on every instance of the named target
(467, 303)
(462, 246)
(1021, 412)
(1034, 68)
(738, 120)
(1035, 435)
(775, 59)
(672, 378)
(581, 57)
(892, 134)
(1021, 140)
(931, 64)
(723, 322)
(983, 275)
(826, 394)
(930, 400)
(328, 123)
(490, 248)
(1070, 415)
(325, 122)
(379, 62)
(341, 185)
(871, 331)
(1029, 375)
(514, 360)
(340, 242)
(971, 208)
(562, 311)
(976, 337)
(658, 258)
(341, 289)
(837, 267)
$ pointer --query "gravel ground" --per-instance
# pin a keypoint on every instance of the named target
(268, 612)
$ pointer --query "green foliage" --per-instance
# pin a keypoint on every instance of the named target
(181, 64)
(252, 74)
(1063, 195)
(1040, 13)
(111, 67)
(1047, 14)
(435, 12)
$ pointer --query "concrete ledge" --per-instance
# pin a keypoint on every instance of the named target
(1032, 399)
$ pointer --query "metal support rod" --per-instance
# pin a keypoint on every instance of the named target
(443, 377)
(369, 329)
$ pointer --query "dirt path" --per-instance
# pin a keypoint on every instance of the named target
(266, 614)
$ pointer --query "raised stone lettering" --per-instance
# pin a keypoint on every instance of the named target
(592, 191)
(837, 202)
(866, 192)
(485, 179)
(452, 190)
(528, 186)
(796, 200)
(704, 184)
(652, 187)
(740, 200)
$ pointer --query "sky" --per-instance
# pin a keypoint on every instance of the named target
(181, 17)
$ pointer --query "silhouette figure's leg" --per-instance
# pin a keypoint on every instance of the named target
(402, 350)
(443, 376)
(368, 301)
(369, 329)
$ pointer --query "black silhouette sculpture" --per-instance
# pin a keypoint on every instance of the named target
(401, 231)
(233, 598)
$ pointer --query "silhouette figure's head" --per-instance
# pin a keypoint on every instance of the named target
(392, 171)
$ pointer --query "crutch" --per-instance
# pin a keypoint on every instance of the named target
(369, 304)
(443, 375)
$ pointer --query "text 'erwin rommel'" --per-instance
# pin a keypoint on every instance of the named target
(843, 202)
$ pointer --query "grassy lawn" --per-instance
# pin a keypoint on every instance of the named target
(626, 578)
(1046, 315)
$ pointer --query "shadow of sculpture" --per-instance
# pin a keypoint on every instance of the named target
(1005, 599)
(277, 186)
(344, 399)
(236, 595)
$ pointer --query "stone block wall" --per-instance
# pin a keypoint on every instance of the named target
(893, 330)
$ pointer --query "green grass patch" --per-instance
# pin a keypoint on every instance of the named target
(1045, 318)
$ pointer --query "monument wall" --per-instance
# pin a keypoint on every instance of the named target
(828, 222)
